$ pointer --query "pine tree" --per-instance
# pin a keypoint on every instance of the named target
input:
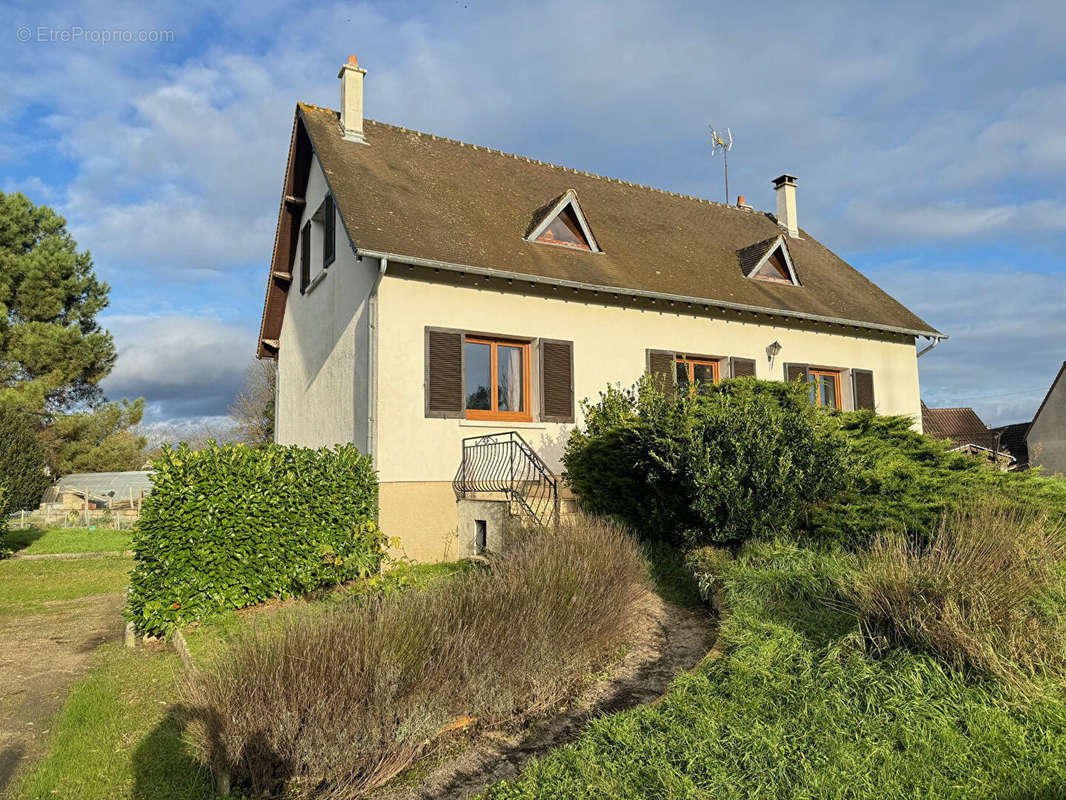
(53, 353)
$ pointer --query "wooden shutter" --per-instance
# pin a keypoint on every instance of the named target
(305, 257)
(862, 385)
(661, 367)
(557, 381)
(444, 373)
(795, 372)
(329, 233)
(741, 367)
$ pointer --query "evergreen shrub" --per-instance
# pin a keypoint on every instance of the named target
(230, 526)
(742, 459)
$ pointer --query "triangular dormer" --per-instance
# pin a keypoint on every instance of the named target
(775, 264)
(564, 225)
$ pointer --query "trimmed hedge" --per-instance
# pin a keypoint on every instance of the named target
(230, 526)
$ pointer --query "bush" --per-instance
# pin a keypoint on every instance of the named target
(907, 481)
(23, 466)
(742, 460)
(231, 526)
(970, 593)
(348, 698)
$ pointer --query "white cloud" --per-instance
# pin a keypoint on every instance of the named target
(1007, 335)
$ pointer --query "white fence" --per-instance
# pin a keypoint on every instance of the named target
(122, 519)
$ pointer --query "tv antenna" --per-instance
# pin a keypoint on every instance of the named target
(722, 143)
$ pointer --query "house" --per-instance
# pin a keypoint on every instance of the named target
(967, 433)
(1046, 436)
(1012, 440)
(446, 307)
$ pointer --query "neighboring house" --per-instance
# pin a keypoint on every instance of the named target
(1046, 437)
(423, 290)
(967, 433)
(1012, 440)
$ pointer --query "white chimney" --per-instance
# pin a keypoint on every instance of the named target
(785, 186)
(351, 76)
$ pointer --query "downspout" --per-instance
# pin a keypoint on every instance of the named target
(923, 351)
(372, 363)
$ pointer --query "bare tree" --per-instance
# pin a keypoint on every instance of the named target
(253, 410)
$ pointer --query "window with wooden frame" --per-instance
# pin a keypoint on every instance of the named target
(497, 379)
(696, 372)
(825, 387)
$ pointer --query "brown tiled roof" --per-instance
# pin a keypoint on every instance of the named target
(961, 425)
(409, 194)
(1012, 439)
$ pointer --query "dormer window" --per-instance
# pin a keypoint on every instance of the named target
(563, 224)
(772, 262)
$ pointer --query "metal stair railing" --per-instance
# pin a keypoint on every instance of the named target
(503, 463)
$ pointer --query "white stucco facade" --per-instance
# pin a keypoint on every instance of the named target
(354, 323)
(322, 361)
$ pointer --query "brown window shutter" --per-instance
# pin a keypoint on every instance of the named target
(444, 373)
(557, 381)
(795, 372)
(661, 367)
(305, 257)
(741, 367)
(862, 383)
(329, 233)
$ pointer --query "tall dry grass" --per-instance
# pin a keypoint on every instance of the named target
(970, 594)
(337, 703)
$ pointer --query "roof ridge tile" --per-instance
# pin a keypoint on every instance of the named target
(539, 162)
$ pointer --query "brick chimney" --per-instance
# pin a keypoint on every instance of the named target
(351, 76)
(785, 186)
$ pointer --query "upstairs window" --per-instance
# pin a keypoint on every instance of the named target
(563, 224)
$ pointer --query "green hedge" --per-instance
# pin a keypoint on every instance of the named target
(744, 459)
(230, 526)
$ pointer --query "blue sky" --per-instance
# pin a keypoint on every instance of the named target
(929, 142)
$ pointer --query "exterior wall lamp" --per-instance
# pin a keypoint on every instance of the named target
(771, 351)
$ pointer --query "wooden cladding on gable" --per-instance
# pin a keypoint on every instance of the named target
(557, 381)
(444, 373)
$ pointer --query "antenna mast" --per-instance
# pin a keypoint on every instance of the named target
(722, 143)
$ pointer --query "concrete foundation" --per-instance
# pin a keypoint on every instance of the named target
(481, 526)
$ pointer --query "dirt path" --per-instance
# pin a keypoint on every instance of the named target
(672, 640)
(41, 656)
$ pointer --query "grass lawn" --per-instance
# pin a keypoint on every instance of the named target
(794, 707)
(39, 541)
(28, 587)
(119, 736)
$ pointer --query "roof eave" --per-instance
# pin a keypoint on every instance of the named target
(592, 287)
